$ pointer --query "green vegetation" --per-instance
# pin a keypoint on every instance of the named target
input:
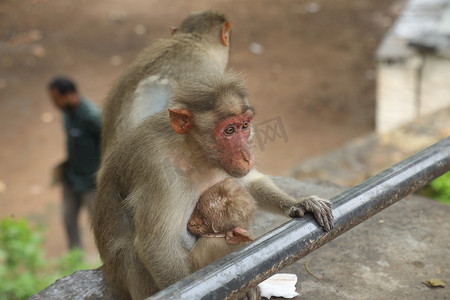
(439, 189)
(24, 271)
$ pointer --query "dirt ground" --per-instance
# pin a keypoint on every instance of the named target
(309, 68)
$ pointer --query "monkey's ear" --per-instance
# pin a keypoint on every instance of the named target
(173, 29)
(225, 34)
(180, 119)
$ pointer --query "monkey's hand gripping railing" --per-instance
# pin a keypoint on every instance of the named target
(291, 241)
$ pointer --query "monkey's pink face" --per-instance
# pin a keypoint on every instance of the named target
(232, 144)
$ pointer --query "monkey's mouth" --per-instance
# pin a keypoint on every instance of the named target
(238, 172)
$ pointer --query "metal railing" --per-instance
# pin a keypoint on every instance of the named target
(255, 262)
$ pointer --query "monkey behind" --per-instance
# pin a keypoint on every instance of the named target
(199, 45)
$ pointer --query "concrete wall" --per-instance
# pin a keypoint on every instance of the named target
(396, 94)
(435, 85)
(414, 65)
(410, 89)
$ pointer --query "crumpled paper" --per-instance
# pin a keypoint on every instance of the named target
(279, 285)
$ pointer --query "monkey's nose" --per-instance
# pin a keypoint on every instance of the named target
(246, 156)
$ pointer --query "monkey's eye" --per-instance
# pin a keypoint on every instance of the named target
(229, 130)
(246, 123)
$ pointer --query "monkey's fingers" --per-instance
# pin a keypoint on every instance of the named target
(319, 218)
(330, 217)
(321, 209)
(297, 211)
(325, 215)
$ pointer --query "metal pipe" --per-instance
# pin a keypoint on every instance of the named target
(256, 261)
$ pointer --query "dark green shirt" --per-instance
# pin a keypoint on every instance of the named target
(83, 128)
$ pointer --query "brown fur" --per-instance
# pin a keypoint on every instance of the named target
(220, 209)
(150, 181)
(148, 185)
(151, 178)
(195, 47)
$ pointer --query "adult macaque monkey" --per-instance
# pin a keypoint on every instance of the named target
(151, 179)
(201, 42)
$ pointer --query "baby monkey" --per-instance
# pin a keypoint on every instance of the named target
(220, 218)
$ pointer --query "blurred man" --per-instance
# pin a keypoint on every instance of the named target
(82, 124)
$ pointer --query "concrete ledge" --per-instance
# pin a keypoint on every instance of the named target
(367, 156)
(90, 284)
(386, 257)
(85, 284)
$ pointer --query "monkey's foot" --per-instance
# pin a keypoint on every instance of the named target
(237, 236)
(234, 237)
(321, 209)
